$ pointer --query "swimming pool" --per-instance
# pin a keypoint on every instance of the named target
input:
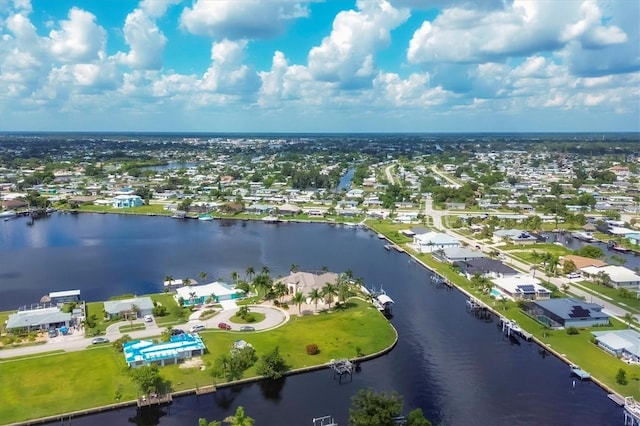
(496, 293)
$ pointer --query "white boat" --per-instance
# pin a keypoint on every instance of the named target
(205, 217)
(584, 236)
(271, 219)
(381, 236)
(8, 214)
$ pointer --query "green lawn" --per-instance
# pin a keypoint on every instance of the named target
(391, 230)
(60, 383)
(71, 381)
(150, 209)
(613, 295)
(3, 317)
(131, 327)
(257, 317)
(172, 317)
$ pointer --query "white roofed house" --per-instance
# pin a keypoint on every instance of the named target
(616, 276)
(199, 294)
(433, 241)
(38, 319)
(521, 287)
(305, 282)
(116, 308)
(126, 201)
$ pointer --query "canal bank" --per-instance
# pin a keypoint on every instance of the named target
(446, 362)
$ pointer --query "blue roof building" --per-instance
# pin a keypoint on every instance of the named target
(568, 312)
(146, 352)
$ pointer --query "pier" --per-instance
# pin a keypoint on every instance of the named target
(511, 328)
(342, 367)
(631, 412)
(324, 421)
(580, 373)
(155, 400)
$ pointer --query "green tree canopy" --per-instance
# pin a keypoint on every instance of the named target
(374, 408)
(272, 365)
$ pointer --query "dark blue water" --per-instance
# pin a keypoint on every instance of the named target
(458, 369)
(345, 181)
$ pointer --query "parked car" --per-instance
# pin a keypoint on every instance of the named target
(247, 328)
(148, 318)
(53, 332)
(573, 275)
(197, 328)
(99, 340)
(224, 326)
(176, 331)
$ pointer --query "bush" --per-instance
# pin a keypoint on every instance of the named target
(159, 311)
(312, 349)
(572, 331)
(621, 377)
(250, 318)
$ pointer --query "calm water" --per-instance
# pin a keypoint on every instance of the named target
(631, 261)
(458, 369)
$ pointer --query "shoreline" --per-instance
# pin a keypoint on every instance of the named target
(563, 357)
(194, 391)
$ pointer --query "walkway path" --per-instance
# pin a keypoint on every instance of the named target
(387, 172)
(274, 317)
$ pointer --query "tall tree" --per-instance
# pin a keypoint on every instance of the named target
(329, 291)
(315, 295)
(298, 299)
(239, 418)
(235, 277)
(272, 365)
(203, 276)
(372, 408)
(250, 272)
(294, 268)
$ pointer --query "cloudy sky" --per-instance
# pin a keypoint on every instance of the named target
(320, 66)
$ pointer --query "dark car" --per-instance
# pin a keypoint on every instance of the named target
(176, 331)
(224, 326)
(99, 340)
(247, 328)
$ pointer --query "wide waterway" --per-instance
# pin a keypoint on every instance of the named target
(458, 369)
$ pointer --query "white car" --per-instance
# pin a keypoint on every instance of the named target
(197, 328)
(573, 275)
(148, 318)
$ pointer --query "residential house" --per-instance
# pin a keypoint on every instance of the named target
(434, 241)
(567, 312)
(126, 201)
(618, 276)
(288, 209)
(118, 308)
(623, 344)
(456, 254)
(38, 319)
(521, 287)
(513, 236)
(582, 262)
(146, 352)
(199, 294)
(486, 267)
(305, 282)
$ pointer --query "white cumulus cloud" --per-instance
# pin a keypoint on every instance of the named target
(80, 38)
(246, 19)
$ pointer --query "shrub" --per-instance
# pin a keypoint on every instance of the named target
(621, 377)
(312, 349)
(159, 311)
(250, 318)
(572, 331)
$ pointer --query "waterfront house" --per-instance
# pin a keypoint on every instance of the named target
(513, 236)
(305, 282)
(485, 267)
(199, 294)
(288, 209)
(38, 319)
(126, 201)
(567, 312)
(137, 306)
(457, 254)
(623, 344)
(434, 241)
(62, 297)
(521, 287)
(582, 262)
(617, 276)
(146, 352)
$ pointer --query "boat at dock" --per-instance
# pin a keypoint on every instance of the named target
(613, 245)
(205, 217)
(270, 219)
(381, 236)
(388, 246)
(580, 373)
(583, 236)
(511, 328)
(9, 214)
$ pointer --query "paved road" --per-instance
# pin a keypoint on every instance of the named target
(387, 171)
(76, 342)
(444, 176)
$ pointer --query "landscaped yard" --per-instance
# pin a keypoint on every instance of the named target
(257, 317)
(613, 294)
(391, 230)
(61, 383)
(175, 314)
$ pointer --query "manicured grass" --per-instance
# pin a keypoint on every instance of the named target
(150, 209)
(55, 384)
(37, 355)
(131, 327)
(60, 383)
(166, 299)
(391, 230)
(613, 294)
(257, 317)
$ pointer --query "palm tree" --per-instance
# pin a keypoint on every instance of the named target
(235, 277)
(213, 298)
(298, 299)
(565, 288)
(265, 270)
(203, 276)
(315, 295)
(168, 279)
(348, 274)
(239, 419)
(186, 282)
(192, 297)
(294, 268)
(280, 290)
(250, 272)
(329, 291)
(628, 318)
(203, 422)
(324, 268)
(344, 292)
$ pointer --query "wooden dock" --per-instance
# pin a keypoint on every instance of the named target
(582, 375)
(155, 400)
(205, 390)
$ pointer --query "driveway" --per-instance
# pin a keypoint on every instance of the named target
(274, 317)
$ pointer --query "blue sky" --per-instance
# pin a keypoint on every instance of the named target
(320, 66)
